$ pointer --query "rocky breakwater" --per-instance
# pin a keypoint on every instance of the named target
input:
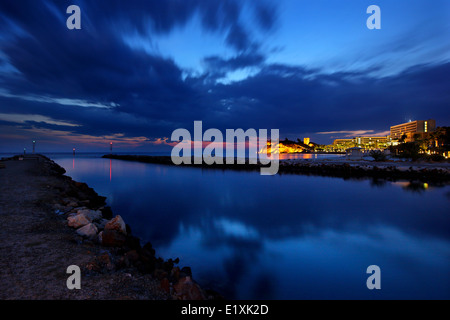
(120, 251)
(392, 171)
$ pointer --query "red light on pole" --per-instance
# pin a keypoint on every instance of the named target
(110, 147)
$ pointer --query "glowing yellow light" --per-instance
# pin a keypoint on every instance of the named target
(282, 148)
(425, 185)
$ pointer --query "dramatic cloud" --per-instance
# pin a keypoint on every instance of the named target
(111, 81)
(355, 133)
(27, 118)
(218, 64)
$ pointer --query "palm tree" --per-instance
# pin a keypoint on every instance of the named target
(438, 136)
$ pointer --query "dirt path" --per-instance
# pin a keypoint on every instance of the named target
(36, 246)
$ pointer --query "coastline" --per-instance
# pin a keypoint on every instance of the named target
(430, 172)
(51, 222)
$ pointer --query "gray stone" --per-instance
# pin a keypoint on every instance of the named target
(116, 224)
(88, 231)
(78, 221)
(91, 214)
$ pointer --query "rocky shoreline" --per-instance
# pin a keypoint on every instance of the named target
(435, 173)
(347, 169)
(113, 250)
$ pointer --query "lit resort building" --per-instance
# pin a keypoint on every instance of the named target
(406, 132)
(418, 128)
(423, 131)
(365, 142)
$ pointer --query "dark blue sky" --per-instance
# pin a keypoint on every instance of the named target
(137, 70)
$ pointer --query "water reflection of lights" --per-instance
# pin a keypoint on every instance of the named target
(412, 186)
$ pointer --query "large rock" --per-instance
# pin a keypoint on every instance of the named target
(91, 214)
(187, 289)
(117, 224)
(89, 231)
(78, 221)
(112, 238)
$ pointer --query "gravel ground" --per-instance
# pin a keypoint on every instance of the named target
(37, 246)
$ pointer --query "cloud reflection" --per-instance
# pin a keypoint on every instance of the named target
(314, 236)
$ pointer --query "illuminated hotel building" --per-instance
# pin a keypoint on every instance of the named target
(411, 128)
(370, 140)
(362, 140)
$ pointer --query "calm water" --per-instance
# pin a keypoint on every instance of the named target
(285, 236)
